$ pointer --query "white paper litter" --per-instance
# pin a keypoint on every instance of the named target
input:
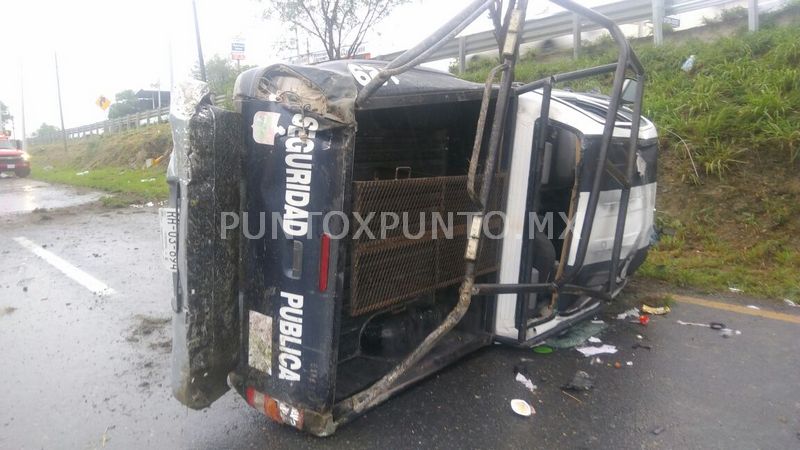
(790, 303)
(591, 350)
(753, 307)
(526, 382)
(594, 340)
(734, 290)
(633, 312)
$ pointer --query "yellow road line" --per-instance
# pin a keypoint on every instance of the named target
(738, 309)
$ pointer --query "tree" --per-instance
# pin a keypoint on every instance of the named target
(220, 76)
(46, 130)
(339, 25)
(5, 116)
(126, 103)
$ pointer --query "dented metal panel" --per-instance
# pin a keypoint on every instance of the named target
(204, 173)
(298, 128)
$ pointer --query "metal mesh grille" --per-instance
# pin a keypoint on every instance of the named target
(391, 267)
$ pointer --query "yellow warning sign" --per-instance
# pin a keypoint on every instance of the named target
(102, 102)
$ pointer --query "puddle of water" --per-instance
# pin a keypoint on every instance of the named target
(21, 195)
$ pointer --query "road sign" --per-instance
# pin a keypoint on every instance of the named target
(237, 49)
(674, 22)
(102, 102)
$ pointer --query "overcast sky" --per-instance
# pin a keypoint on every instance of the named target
(105, 46)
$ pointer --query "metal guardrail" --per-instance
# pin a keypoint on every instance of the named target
(561, 24)
(129, 122)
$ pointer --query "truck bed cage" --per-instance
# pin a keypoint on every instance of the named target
(508, 39)
(627, 60)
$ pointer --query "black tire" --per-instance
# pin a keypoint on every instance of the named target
(22, 172)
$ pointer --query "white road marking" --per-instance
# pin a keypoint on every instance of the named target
(91, 283)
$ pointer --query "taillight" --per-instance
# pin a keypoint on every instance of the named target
(324, 256)
(278, 411)
(251, 397)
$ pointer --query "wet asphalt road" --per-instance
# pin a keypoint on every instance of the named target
(86, 371)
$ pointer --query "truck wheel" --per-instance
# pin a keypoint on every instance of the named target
(22, 172)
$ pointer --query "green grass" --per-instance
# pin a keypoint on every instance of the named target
(125, 183)
(114, 162)
(735, 223)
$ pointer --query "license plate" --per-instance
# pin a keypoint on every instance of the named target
(10, 166)
(168, 217)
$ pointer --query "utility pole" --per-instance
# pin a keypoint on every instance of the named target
(171, 72)
(658, 22)
(60, 109)
(200, 61)
(752, 15)
(576, 36)
(22, 101)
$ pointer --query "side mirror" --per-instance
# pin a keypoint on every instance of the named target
(629, 87)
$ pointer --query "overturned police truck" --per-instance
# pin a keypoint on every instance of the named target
(355, 226)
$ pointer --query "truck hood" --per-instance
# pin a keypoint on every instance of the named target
(10, 152)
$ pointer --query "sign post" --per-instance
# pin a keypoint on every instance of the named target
(237, 51)
(674, 22)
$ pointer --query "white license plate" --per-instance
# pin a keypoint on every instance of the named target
(11, 166)
(168, 217)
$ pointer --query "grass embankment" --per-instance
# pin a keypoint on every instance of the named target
(114, 163)
(736, 222)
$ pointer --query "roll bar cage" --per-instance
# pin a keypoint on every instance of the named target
(508, 40)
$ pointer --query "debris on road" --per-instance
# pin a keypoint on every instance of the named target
(525, 381)
(543, 349)
(522, 407)
(592, 350)
(790, 303)
(8, 310)
(577, 335)
(644, 346)
(735, 290)
(658, 430)
(724, 331)
(644, 320)
(629, 363)
(80, 174)
(658, 311)
(617, 365)
(753, 307)
(633, 312)
(581, 381)
(571, 396)
(707, 325)
(594, 340)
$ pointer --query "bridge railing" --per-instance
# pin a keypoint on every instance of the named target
(125, 123)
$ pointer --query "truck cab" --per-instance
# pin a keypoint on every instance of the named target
(13, 158)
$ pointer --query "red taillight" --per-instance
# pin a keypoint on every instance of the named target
(324, 256)
(250, 394)
(275, 410)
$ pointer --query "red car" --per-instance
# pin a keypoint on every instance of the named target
(12, 158)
